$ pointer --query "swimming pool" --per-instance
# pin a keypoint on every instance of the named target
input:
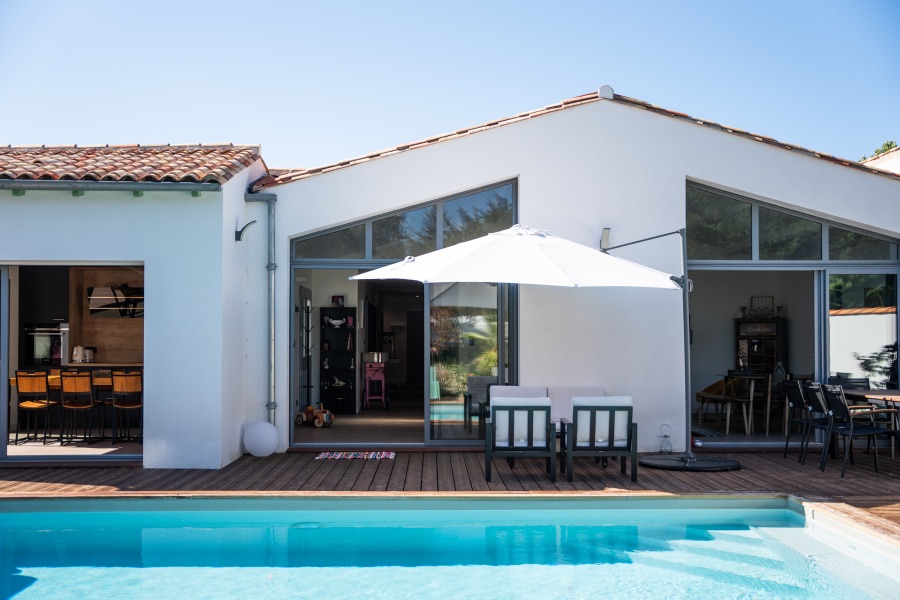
(431, 547)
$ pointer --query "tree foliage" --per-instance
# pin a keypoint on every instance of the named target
(888, 145)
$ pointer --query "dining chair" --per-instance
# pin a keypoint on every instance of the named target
(127, 398)
(799, 411)
(843, 423)
(76, 398)
(34, 398)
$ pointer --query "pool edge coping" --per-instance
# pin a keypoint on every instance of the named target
(824, 512)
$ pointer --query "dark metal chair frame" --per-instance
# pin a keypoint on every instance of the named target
(598, 451)
(841, 423)
(33, 390)
(127, 396)
(532, 448)
(77, 399)
(800, 411)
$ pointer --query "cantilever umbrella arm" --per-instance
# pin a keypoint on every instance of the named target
(685, 284)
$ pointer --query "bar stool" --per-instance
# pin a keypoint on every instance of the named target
(101, 382)
(34, 397)
(127, 398)
(77, 397)
(375, 375)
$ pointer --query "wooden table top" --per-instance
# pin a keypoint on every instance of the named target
(892, 395)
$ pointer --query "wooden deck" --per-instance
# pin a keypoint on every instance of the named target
(463, 472)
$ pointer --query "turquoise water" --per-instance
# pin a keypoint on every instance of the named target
(419, 548)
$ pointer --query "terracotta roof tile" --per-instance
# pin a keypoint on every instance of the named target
(180, 164)
(283, 176)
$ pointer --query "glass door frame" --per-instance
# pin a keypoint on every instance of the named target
(507, 353)
(823, 350)
(4, 356)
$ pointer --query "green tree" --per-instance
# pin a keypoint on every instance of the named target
(888, 145)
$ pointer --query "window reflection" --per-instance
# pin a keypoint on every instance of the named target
(407, 234)
(719, 228)
(343, 243)
(478, 214)
(786, 237)
(862, 322)
(464, 357)
(849, 245)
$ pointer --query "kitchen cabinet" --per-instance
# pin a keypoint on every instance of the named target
(43, 294)
(337, 362)
(760, 344)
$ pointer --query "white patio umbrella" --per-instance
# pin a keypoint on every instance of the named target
(524, 255)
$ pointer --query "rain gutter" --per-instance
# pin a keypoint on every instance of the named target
(270, 267)
(107, 186)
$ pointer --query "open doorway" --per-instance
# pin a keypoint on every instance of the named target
(355, 352)
(751, 323)
(81, 324)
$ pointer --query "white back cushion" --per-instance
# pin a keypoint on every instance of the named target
(583, 433)
(518, 391)
(520, 422)
(561, 398)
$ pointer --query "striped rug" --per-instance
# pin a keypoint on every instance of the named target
(334, 455)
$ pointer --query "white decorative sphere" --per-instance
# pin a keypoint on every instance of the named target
(261, 439)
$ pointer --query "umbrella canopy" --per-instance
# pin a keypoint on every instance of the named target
(522, 254)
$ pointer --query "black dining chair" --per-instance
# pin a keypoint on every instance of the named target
(846, 425)
(800, 412)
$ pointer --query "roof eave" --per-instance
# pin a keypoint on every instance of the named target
(107, 186)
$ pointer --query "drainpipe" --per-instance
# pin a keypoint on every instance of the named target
(270, 267)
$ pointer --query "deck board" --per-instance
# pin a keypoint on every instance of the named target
(463, 472)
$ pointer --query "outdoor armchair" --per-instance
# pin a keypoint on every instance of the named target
(520, 428)
(602, 427)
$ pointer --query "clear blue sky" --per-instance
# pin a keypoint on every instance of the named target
(317, 82)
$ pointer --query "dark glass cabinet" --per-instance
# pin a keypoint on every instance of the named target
(760, 344)
(337, 363)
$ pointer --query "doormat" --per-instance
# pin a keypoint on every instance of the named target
(334, 455)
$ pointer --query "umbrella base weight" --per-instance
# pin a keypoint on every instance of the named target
(677, 462)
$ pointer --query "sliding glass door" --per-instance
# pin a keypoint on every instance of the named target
(862, 327)
(468, 343)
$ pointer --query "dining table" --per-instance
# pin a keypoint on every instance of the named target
(755, 383)
(887, 398)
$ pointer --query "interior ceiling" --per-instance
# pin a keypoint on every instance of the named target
(395, 287)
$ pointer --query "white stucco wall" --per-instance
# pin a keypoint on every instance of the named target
(193, 407)
(580, 170)
(245, 333)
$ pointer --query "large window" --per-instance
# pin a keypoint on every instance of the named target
(786, 237)
(407, 234)
(343, 243)
(849, 245)
(722, 226)
(719, 228)
(415, 231)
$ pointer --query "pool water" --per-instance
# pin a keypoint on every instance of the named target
(415, 547)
